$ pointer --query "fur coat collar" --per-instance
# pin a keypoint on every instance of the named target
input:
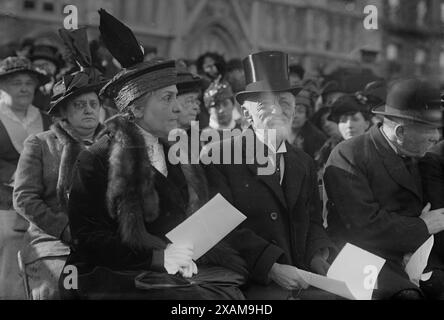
(71, 145)
(131, 196)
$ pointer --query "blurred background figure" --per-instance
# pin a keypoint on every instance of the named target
(44, 171)
(304, 134)
(235, 75)
(353, 118)
(18, 119)
(297, 73)
(188, 95)
(150, 52)
(48, 59)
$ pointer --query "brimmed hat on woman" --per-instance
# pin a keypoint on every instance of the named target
(347, 104)
(88, 79)
(137, 77)
(15, 65)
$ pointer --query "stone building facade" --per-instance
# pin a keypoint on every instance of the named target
(320, 34)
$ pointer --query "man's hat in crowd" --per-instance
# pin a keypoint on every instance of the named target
(88, 79)
(15, 65)
(266, 71)
(47, 52)
(415, 100)
(218, 93)
(347, 104)
(186, 81)
(137, 77)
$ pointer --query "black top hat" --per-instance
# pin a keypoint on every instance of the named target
(14, 65)
(266, 71)
(47, 52)
(415, 100)
(88, 79)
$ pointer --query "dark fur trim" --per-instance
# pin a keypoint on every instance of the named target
(72, 145)
(131, 196)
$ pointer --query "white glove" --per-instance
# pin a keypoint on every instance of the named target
(177, 257)
(189, 271)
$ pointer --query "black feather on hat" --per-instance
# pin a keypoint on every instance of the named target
(137, 77)
(88, 79)
(120, 40)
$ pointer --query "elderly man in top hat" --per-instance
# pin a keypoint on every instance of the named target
(283, 230)
(375, 190)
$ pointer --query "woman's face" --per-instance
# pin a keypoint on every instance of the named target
(159, 113)
(190, 104)
(209, 67)
(19, 89)
(83, 111)
(224, 112)
(300, 116)
(329, 127)
(352, 125)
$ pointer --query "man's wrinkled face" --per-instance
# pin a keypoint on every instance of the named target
(271, 111)
(82, 112)
(190, 108)
(19, 89)
(160, 112)
(352, 125)
(416, 139)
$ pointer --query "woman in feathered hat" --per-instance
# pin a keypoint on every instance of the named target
(43, 176)
(126, 195)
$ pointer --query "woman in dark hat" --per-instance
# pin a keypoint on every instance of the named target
(43, 176)
(126, 194)
(353, 118)
(18, 119)
(47, 59)
(189, 88)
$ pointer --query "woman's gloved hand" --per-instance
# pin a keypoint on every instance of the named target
(177, 257)
(188, 271)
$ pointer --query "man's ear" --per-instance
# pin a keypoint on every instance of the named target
(138, 112)
(399, 132)
(247, 114)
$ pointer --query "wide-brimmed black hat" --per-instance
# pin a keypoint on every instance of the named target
(88, 79)
(347, 104)
(14, 65)
(137, 77)
(47, 52)
(415, 100)
(266, 71)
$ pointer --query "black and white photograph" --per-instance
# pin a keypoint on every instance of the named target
(237, 152)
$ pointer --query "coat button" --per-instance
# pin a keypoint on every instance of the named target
(273, 216)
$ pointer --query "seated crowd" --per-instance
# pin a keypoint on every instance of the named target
(87, 178)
